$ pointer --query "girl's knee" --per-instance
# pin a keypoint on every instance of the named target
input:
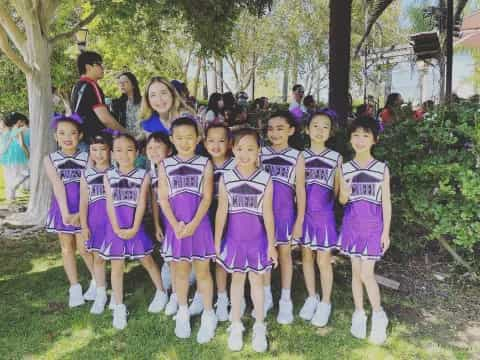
(307, 256)
(324, 261)
(147, 262)
(367, 276)
(98, 261)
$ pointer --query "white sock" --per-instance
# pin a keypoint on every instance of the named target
(268, 290)
(183, 308)
(222, 295)
(101, 291)
(174, 296)
(285, 295)
(94, 283)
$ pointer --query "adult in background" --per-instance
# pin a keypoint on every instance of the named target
(127, 106)
(310, 104)
(389, 114)
(297, 95)
(161, 104)
(88, 100)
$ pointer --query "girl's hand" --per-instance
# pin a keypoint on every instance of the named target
(127, 234)
(273, 255)
(159, 235)
(67, 219)
(346, 187)
(297, 230)
(178, 228)
(189, 230)
(385, 241)
(75, 219)
(85, 233)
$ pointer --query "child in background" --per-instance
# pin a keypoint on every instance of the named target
(319, 230)
(287, 168)
(93, 212)
(126, 189)
(185, 191)
(64, 168)
(365, 191)
(248, 243)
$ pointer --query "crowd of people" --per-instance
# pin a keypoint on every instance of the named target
(210, 184)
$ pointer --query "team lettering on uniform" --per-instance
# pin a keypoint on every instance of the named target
(277, 170)
(314, 173)
(182, 181)
(70, 173)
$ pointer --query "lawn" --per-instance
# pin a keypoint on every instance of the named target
(36, 323)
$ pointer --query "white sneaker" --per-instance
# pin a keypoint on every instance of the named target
(322, 314)
(91, 293)
(196, 307)
(235, 339)
(309, 307)
(359, 325)
(75, 297)
(120, 317)
(243, 307)
(111, 305)
(172, 305)
(285, 312)
(99, 304)
(259, 337)
(378, 334)
(158, 302)
(222, 308)
(166, 276)
(208, 324)
(182, 324)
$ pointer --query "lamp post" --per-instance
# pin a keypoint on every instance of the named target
(81, 37)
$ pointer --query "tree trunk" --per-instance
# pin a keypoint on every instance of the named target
(285, 83)
(205, 80)
(197, 77)
(339, 57)
(40, 111)
(219, 73)
(212, 77)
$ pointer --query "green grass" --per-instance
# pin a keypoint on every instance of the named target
(35, 322)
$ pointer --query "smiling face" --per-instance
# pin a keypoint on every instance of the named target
(216, 142)
(160, 97)
(246, 151)
(124, 152)
(278, 131)
(67, 136)
(362, 141)
(319, 129)
(156, 151)
(185, 139)
(100, 154)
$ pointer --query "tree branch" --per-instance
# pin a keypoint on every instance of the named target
(77, 27)
(11, 54)
(12, 30)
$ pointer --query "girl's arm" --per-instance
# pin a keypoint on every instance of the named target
(387, 210)
(22, 144)
(110, 209)
(336, 183)
(140, 210)
(345, 189)
(270, 223)
(204, 203)
(84, 208)
(58, 189)
(221, 215)
(301, 196)
(156, 216)
(165, 204)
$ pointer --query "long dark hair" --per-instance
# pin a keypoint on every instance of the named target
(137, 96)
(213, 103)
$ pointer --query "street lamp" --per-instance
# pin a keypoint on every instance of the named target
(81, 36)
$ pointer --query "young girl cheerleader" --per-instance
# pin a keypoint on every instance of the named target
(64, 168)
(217, 144)
(158, 148)
(126, 189)
(365, 189)
(319, 231)
(245, 200)
(185, 192)
(287, 168)
(93, 212)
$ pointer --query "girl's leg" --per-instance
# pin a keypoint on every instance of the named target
(368, 278)
(182, 273)
(324, 261)
(222, 297)
(357, 286)
(117, 280)
(221, 279)
(151, 266)
(286, 267)
(67, 243)
(99, 270)
(86, 256)
(172, 275)
(308, 270)
(204, 282)
(257, 294)
(237, 288)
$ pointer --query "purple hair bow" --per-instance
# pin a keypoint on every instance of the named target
(111, 132)
(330, 113)
(61, 117)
